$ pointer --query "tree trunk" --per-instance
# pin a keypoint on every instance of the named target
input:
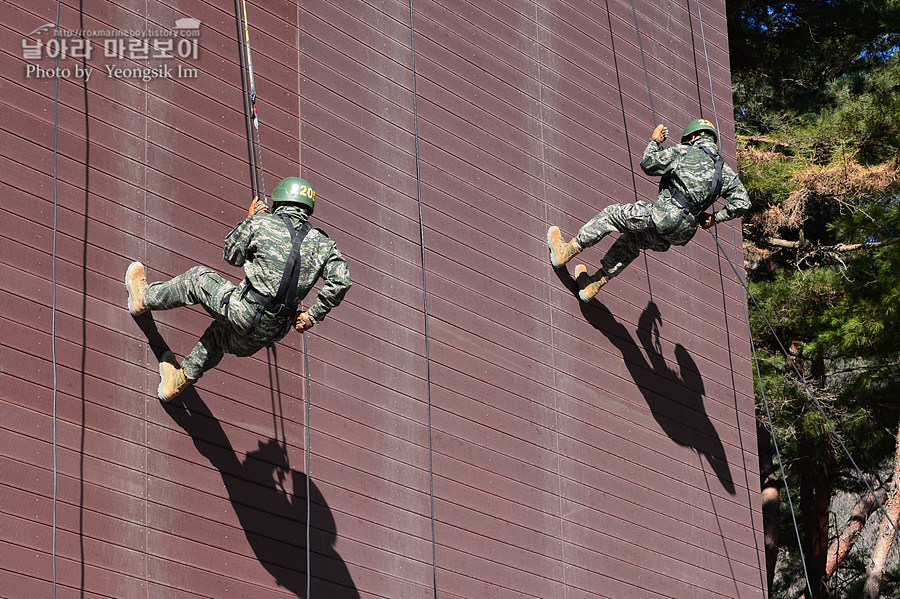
(815, 495)
(855, 523)
(771, 514)
(845, 540)
(886, 534)
(771, 501)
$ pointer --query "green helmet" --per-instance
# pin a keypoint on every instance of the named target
(294, 190)
(698, 125)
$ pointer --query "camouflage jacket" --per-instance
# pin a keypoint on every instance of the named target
(688, 168)
(262, 245)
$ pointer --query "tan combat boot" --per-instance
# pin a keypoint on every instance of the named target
(589, 285)
(172, 380)
(561, 252)
(136, 283)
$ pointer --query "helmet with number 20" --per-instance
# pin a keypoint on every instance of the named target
(294, 190)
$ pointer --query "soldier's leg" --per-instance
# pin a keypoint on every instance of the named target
(199, 285)
(216, 341)
(622, 253)
(628, 247)
(619, 218)
(208, 352)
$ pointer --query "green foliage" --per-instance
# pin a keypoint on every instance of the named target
(785, 54)
(817, 103)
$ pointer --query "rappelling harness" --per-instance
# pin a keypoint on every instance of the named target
(694, 208)
(285, 298)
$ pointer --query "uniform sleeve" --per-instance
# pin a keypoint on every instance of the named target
(737, 198)
(237, 243)
(657, 160)
(336, 274)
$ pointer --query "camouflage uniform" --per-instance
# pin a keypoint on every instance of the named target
(659, 225)
(261, 244)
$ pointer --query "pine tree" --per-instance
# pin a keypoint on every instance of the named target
(817, 102)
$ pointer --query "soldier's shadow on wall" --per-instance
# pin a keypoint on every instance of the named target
(272, 516)
(675, 397)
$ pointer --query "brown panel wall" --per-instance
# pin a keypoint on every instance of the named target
(581, 451)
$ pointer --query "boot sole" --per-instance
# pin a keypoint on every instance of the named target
(131, 268)
(580, 270)
(552, 250)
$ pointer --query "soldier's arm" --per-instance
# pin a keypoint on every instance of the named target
(237, 243)
(737, 198)
(657, 160)
(337, 281)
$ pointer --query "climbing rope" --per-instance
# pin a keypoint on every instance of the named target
(712, 96)
(257, 175)
(806, 387)
(749, 294)
(643, 60)
(787, 490)
(258, 185)
(612, 39)
(308, 498)
(412, 34)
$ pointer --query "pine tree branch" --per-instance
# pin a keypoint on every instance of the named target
(851, 247)
(840, 247)
(782, 243)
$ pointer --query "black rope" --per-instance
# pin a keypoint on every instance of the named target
(650, 95)
(258, 185)
(643, 60)
(712, 96)
(787, 489)
(694, 56)
(412, 34)
(612, 38)
(257, 174)
(748, 294)
(308, 498)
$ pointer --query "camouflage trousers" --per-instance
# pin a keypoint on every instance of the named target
(204, 286)
(636, 231)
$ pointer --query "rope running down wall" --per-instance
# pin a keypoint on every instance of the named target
(412, 35)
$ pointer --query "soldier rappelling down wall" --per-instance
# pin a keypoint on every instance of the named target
(282, 256)
(694, 176)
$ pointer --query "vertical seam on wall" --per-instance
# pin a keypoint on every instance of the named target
(539, 63)
(549, 280)
(412, 39)
(54, 307)
(147, 350)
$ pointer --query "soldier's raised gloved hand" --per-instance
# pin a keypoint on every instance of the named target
(256, 207)
(303, 322)
(660, 134)
(706, 220)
